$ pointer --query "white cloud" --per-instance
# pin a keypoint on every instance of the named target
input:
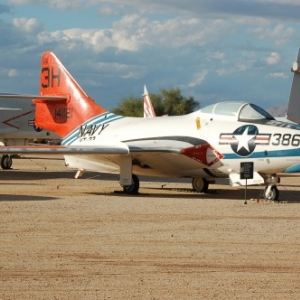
(179, 32)
(13, 73)
(234, 67)
(280, 33)
(294, 2)
(131, 74)
(160, 43)
(68, 4)
(132, 33)
(243, 67)
(217, 55)
(198, 79)
(223, 71)
(27, 25)
(22, 2)
(273, 58)
(278, 75)
(265, 9)
(108, 11)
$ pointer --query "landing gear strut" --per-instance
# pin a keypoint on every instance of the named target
(6, 162)
(134, 187)
(200, 184)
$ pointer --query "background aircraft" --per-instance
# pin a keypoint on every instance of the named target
(213, 142)
(148, 107)
(293, 110)
(17, 125)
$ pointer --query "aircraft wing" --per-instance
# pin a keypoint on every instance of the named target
(150, 160)
(204, 154)
(103, 148)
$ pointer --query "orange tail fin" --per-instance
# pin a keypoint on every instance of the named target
(62, 116)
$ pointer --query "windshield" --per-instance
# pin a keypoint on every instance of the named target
(226, 108)
(252, 112)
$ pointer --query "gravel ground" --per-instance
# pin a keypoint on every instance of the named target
(66, 238)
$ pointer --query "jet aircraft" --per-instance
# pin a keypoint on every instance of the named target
(17, 125)
(212, 142)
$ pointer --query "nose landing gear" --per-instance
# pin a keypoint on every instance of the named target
(271, 191)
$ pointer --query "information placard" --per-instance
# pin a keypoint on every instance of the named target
(246, 171)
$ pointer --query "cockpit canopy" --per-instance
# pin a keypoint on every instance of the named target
(241, 111)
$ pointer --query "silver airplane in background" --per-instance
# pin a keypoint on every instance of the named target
(17, 126)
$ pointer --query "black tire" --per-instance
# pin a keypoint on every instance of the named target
(274, 193)
(134, 187)
(200, 185)
(6, 162)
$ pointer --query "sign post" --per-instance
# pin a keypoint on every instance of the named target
(246, 172)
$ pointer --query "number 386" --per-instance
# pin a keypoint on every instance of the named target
(286, 139)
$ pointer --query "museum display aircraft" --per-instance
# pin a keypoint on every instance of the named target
(17, 126)
(215, 141)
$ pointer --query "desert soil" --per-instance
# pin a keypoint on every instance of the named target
(66, 238)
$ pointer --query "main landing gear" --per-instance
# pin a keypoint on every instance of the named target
(134, 187)
(6, 162)
(200, 184)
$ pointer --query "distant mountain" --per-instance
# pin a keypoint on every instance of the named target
(278, 111)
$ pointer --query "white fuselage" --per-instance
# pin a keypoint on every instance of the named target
(155, 144)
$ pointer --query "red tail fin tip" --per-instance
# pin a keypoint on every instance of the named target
(62, 116)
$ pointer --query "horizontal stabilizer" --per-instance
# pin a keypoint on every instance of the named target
(10, 109)
(32, 97)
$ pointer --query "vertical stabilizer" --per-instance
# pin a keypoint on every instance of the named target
(148, 107)
(293, 112)
(62, 116)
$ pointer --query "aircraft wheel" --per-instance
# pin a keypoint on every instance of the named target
(200, 184)
(271, 192)
(134, 187)
(6, 162)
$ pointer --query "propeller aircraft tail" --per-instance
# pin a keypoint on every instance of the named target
(61, 116)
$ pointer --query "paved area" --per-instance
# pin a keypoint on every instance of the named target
(66, 238)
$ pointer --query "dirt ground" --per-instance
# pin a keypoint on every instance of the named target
(66, 238)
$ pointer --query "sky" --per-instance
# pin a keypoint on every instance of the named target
(216, 50)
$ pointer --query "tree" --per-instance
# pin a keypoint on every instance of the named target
(168, 102)
(130, 106)
(175, 104)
